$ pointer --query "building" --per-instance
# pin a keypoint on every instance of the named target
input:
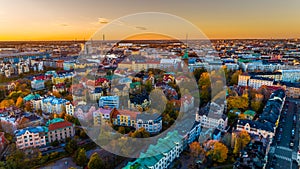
(243, 80)
(59, 129)
(290, 75)
(187, 103)
(30, 137)
(109, 101)
(211, 116)
(123, 117)
(101, 115)
(150, 122)
(257, 82)
(37, 84)
(161, 155)
(266, 124)
(70, 109)
(52, 104)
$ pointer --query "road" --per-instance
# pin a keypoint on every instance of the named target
(284, 153)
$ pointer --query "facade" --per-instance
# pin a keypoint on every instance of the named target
(109, 101)
(211, 116)
(70, 108)
(30, 137)
(243, 80)
(101, 115)
(150, 122)
(138, 66)
(256, 82)
(52, 104)
(290, 75)
(61, 77)
(123, 117)
(59, 129)
(187, 102)
(37, 84)
(166, 151)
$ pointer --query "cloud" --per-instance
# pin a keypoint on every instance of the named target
(141, 28)
(118, 22)
(103, 20)
(64, 24)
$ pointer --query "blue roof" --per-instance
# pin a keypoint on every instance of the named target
(37, 129)
(54, 100)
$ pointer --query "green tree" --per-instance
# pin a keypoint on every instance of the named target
(95, 162)
(71, 146)
(81, 158)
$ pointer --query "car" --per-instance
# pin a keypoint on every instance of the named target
(280, 130)
(283, 120)
(293, 133)
(291, 144)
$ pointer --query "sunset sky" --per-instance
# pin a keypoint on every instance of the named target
(80, 19)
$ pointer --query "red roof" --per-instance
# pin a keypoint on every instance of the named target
(59, 125)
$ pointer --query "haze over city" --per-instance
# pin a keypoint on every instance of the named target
(79, 19)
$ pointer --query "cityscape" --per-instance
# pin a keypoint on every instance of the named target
(148, 90)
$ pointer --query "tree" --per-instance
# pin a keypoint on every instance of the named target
(205, 88)
(198, 72)
(81, 158)
(28, 107)
(237, 102)
(218, 152)
(256, 105)
(196, 150)
(95, 162)
(7, 103)
(242, 139)
(56, 94)
(121, 130)
(235, 78)
(71, 146)
(141, 133)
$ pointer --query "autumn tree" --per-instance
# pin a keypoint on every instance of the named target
(141, 133)
(205, 88)
(256, 105)
(196, 150)
(218, 152)
(241, 140)
(19, 102)
(56, 94)
(7, 103)
(95, 162)
(235, 78)
(237, 102)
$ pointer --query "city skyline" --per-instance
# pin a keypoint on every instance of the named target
(70, 20)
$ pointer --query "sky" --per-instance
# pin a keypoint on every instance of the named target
(81, 19)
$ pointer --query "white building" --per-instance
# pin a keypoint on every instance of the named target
(211, 116)
(256, 83)
(150, 122)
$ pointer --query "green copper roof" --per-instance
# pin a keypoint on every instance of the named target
(55, 120)
(31, 97)
(134, 84)
(186, 55)
(250, 112)
(155, 152)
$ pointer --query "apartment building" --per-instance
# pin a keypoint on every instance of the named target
(30, 137)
